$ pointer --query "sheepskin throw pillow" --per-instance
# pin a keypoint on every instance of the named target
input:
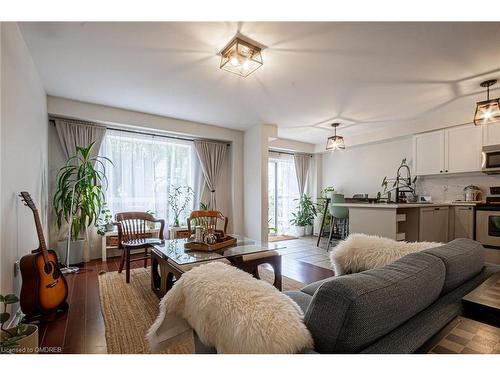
(233, 312)
(361, 252)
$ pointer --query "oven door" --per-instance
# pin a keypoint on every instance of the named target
(491, 160)
(488, 228)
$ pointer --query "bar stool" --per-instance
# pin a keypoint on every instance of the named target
(340, 218)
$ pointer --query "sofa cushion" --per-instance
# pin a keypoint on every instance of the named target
(347, 313)
(313, 287)
(302, 299)
(463, 259)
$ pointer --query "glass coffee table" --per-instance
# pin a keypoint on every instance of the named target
(170, 259)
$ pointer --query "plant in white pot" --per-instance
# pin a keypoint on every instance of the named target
(79, 198)
(22, 338)
(303, 218)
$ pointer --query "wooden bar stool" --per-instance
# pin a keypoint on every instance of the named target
(134, 235)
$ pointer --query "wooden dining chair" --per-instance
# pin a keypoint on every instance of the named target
(207, 219)
(134, 234)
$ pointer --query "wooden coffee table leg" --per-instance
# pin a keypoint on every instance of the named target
(252, 266)
(276, 264)
(162, 281)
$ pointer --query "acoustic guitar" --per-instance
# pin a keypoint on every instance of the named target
(44, 288)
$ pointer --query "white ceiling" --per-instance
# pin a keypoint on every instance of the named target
(364, 75)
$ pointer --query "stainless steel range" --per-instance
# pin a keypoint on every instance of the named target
(488, 220)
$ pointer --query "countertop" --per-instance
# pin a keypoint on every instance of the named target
(403, 205)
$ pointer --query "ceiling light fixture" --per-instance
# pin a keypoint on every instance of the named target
(241, 57)
(487, 111)
(335, 142)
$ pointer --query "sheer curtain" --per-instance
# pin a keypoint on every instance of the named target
(286, 191)
(146, 169)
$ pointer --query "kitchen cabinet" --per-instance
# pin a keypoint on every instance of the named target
(433, 224)
(464, 222)
(463, 146)
(491, 134)
(428, 153)
(452, 150)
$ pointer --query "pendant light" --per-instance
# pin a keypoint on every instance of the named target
(487, 111)
(335, 142)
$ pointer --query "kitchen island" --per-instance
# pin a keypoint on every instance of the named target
(436, 222)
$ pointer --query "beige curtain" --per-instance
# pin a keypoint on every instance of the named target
(302, 163)
(212, 157)
(73, 134)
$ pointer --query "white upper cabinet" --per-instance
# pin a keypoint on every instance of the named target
(463, 146)
(452, 150)
(491, 134)
(428, 153)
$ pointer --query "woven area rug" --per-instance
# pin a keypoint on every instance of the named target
(130, 309)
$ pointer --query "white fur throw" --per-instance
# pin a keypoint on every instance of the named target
(234, 312)
(361, 252)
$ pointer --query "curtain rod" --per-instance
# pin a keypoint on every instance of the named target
(52, 118)
(289, 153)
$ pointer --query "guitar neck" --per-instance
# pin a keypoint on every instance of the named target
(39, 232)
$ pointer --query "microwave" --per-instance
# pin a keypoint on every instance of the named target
(490, 159)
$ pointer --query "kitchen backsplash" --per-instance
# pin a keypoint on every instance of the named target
(450, 187)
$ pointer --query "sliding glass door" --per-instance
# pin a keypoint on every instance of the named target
(283, 190)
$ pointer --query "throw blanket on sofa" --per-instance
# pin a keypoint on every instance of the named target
(361, 252)
(231, 311)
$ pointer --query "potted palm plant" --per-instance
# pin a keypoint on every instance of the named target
(79, 198)
(22, 338)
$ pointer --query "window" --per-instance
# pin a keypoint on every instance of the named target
(283, 192)
(146, 168)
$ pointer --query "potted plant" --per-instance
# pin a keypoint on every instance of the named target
(79, 195)
(105, 222)
(310, 213)
(304, 216)
(178, 200)
(402, 184)
(23, 338)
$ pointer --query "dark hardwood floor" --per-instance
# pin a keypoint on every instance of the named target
(81, 328)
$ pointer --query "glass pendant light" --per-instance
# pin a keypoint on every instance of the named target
(487, 111)
(335, 142)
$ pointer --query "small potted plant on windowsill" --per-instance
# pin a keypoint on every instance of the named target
(23, 338)
(105, 222)
(178, 200)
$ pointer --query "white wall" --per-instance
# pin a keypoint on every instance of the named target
(23, 159)
(255, 182)
(361, 169)
(138, 120)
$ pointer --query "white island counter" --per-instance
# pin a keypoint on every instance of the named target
(411, 221)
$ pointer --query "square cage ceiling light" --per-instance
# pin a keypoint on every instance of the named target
(241, 57)
(487, 111)
(335, 142)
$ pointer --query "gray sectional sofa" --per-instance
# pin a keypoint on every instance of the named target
(393, 309)
(396, 308)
